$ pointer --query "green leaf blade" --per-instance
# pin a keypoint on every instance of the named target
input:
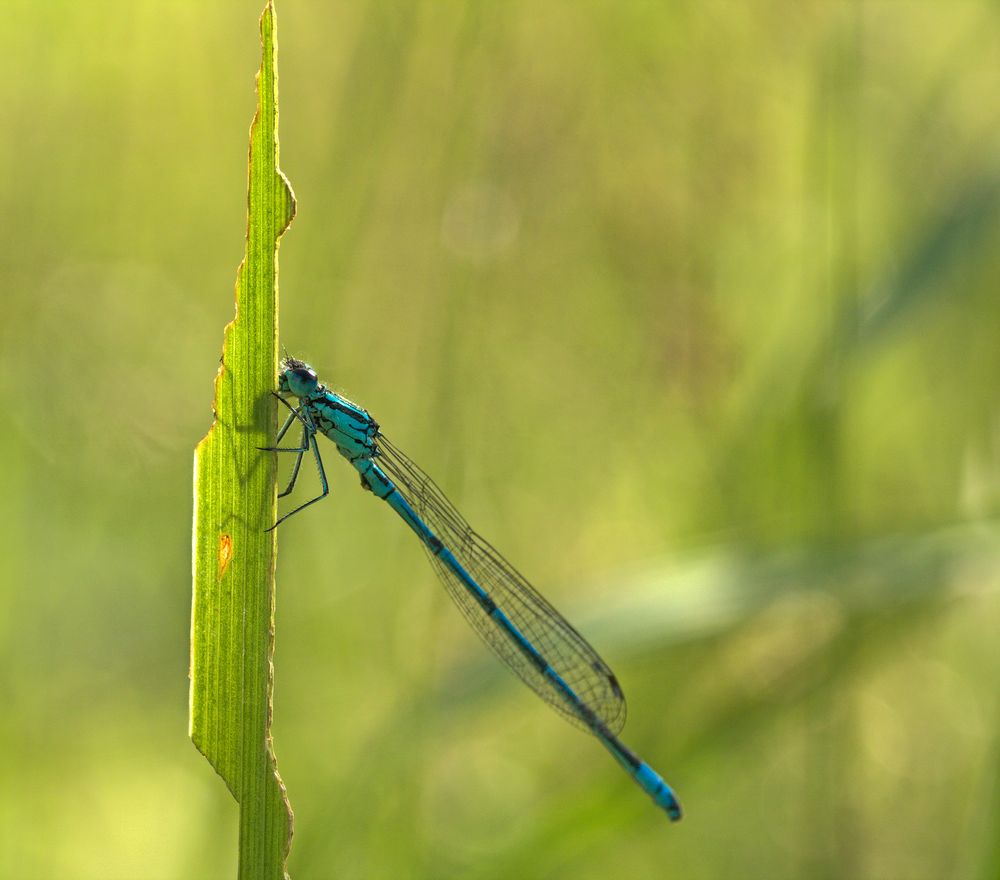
(232, 629)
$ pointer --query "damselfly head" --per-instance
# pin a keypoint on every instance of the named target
(297, 378)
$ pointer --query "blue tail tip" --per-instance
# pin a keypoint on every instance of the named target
(665, 798)
(661, 793)
(673, 808)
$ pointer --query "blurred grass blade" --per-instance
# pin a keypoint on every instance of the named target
(233, 613)
(960, 228)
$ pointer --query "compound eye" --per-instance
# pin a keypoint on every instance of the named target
(302, 380)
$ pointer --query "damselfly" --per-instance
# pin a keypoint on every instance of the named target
(525, 631)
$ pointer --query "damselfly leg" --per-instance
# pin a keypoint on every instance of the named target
(307, 442)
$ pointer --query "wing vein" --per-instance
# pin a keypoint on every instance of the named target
(566, 651)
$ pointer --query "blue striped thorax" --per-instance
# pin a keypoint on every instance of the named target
(348, 425)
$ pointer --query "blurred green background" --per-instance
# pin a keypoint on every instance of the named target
(691, 307)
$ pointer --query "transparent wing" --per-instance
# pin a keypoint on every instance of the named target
(554, 638)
